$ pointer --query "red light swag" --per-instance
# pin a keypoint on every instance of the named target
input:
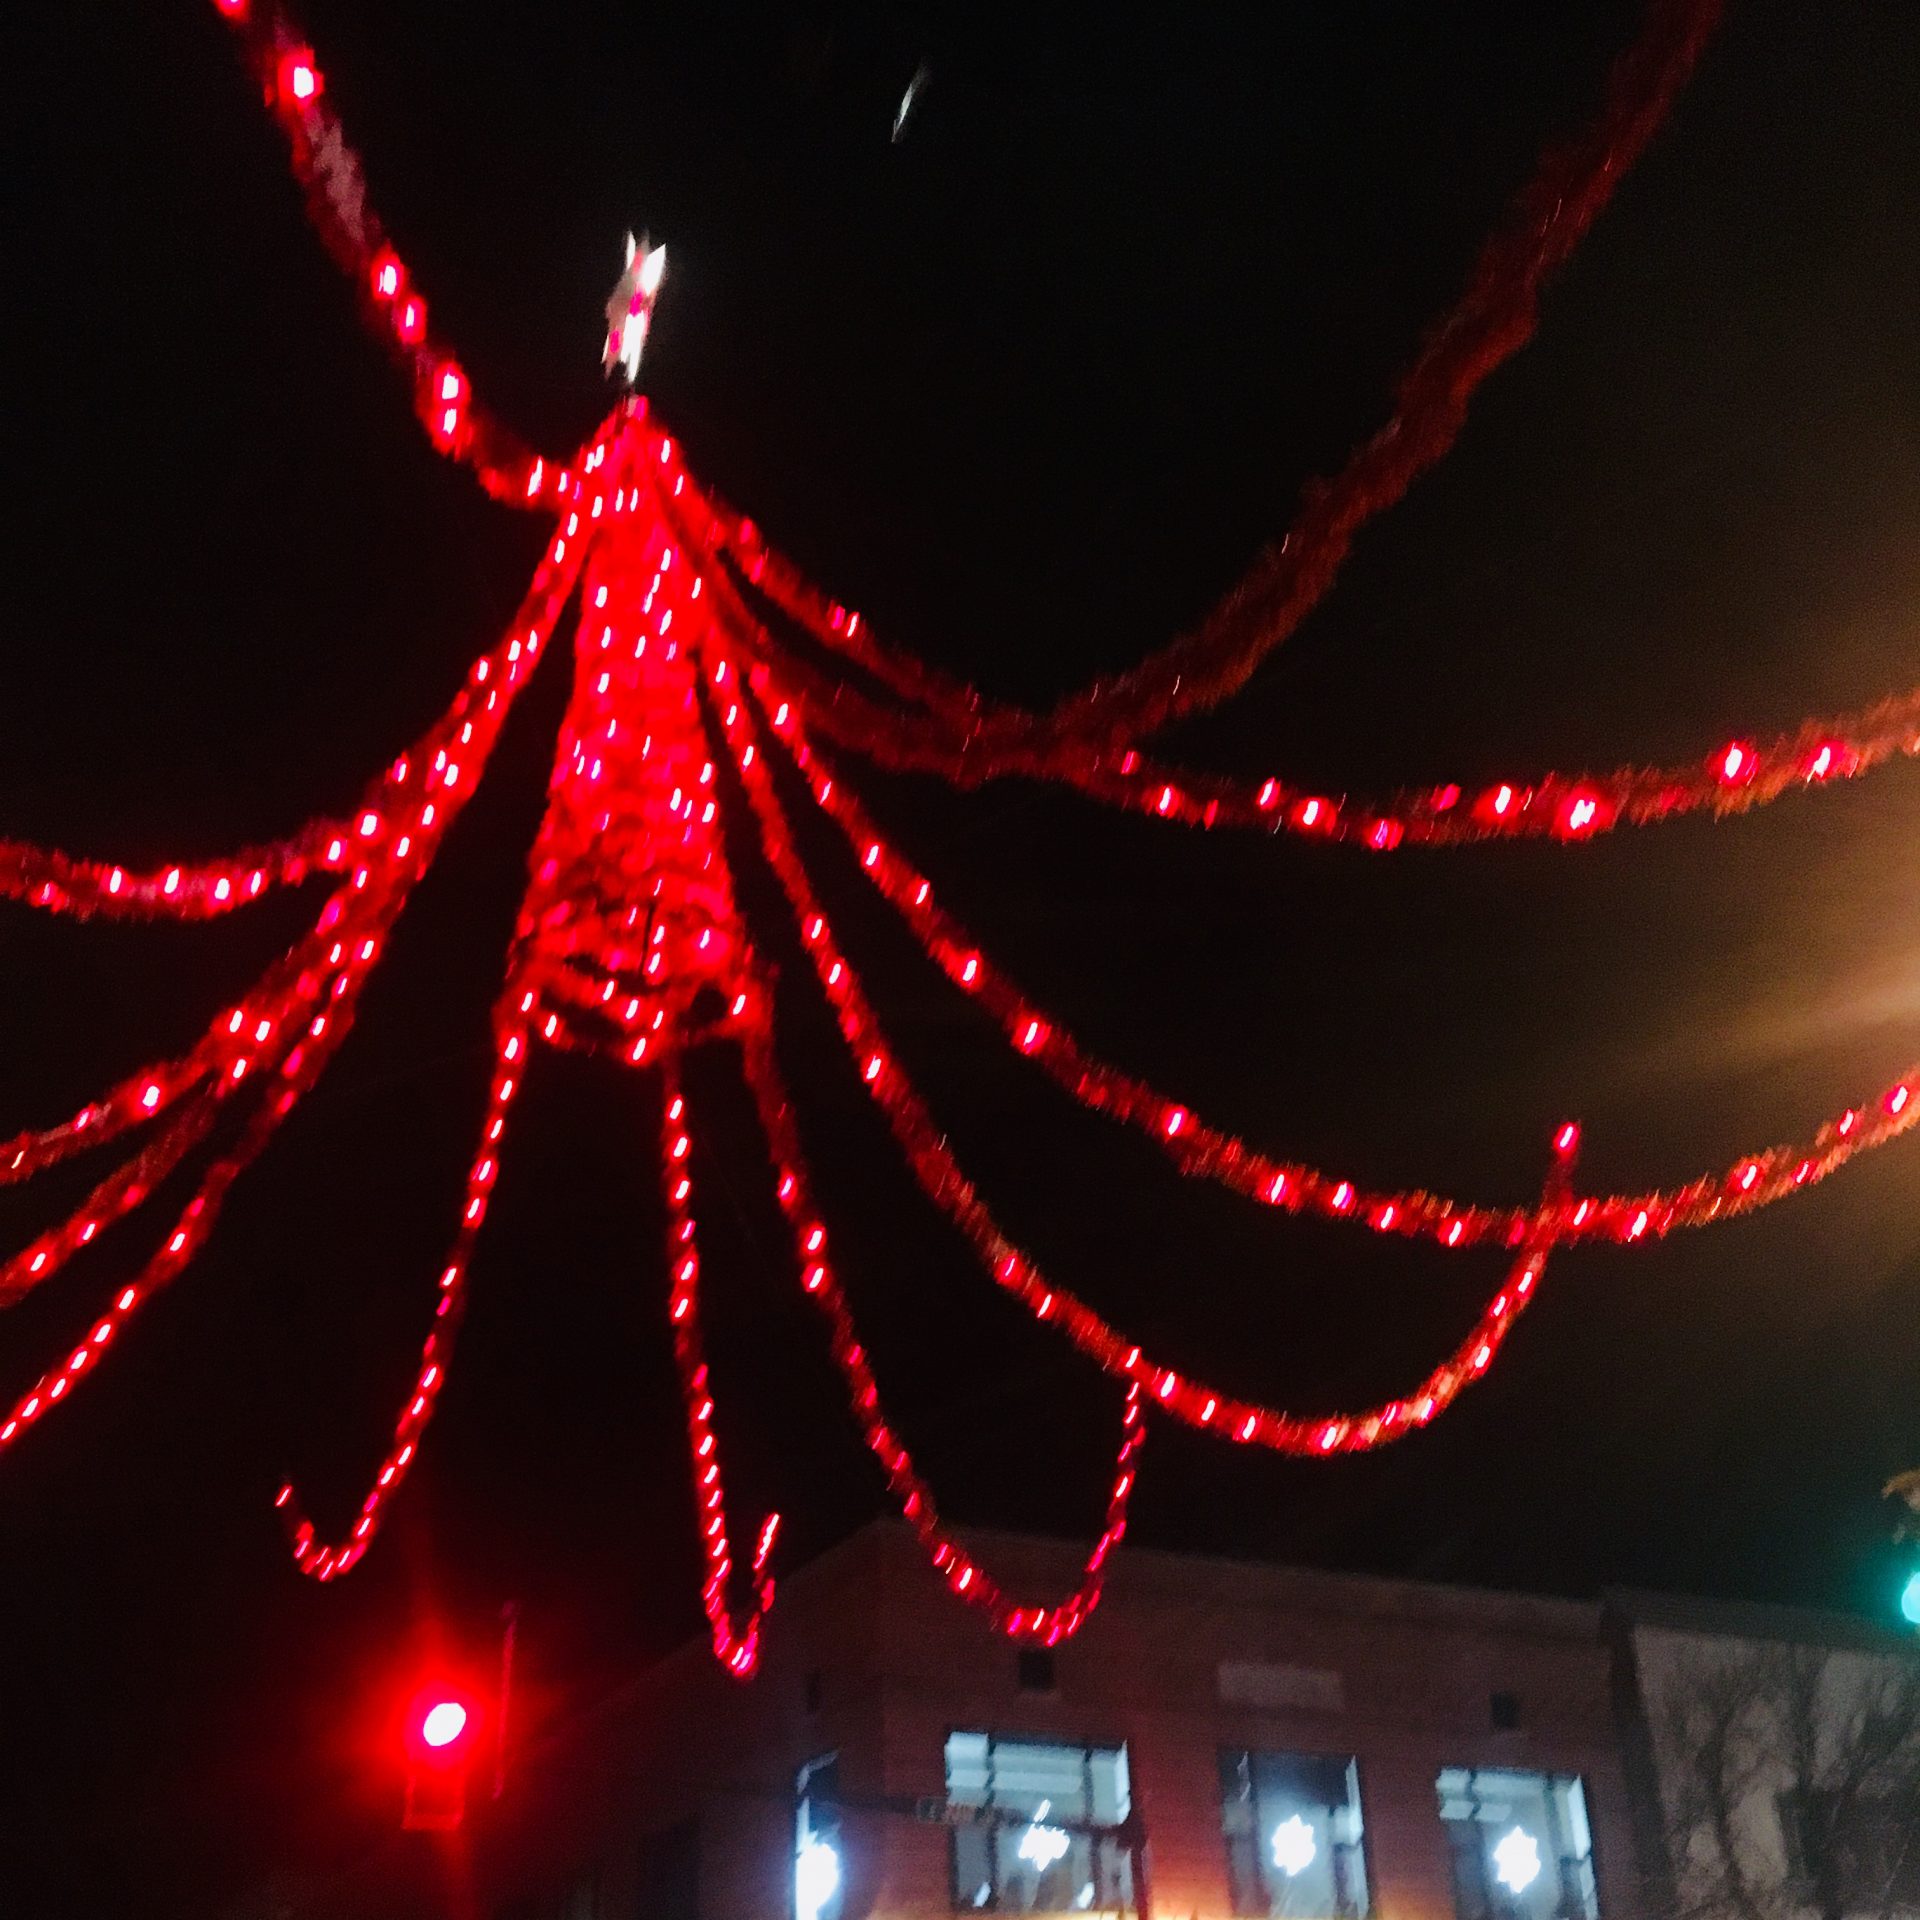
(630, 944)
(1754, 1180)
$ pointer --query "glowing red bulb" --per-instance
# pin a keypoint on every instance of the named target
(387, 274)
(410, 319)
(299, 77)
(1580, 813)
(1566, 1139)
(1737, 764)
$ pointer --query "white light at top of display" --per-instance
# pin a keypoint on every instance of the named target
(816, 1878)
(1042, 1845)
(630, 307)
(1516, 1860)
(1294, 1847)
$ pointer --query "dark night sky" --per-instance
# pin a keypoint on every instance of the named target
(1028, 387)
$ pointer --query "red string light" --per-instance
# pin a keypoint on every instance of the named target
(940, 1177)
(1754, 1180)
(330, 172)
(629, 942)
(1046, 1623)
(327, 1562)
(736, 1643)
(1737, 777)
(969, 738)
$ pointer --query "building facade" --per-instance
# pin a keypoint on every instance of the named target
(1221, 1739)
(1775, 1760)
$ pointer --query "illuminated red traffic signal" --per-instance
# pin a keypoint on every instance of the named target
(440, 1745)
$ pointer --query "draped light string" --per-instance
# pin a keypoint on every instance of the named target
(629, 943)
(736, 1642)
(150, 1091)
(1493, 319)
(1753, 1180)
(1046, 1623)
(967, 739)
(940, 1177)
(396, 806)
(1737, 776)
(330, 174)
(281, 1035)
(295, 1067)
(326, 1562)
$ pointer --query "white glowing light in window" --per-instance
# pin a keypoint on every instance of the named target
(1516, 1860)
(1043, 1845)
(1294, 1847)
(816, 1878)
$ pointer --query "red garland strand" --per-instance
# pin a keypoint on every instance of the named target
(736, 1644)
(326, 971)
(968, 738)
(329, 172)
(379, 827)
(295, 1067)
(1047, 1624)
(1200, 1150)
(940, 1177)
(324, 1562)
(1736, 777)
(963, 733)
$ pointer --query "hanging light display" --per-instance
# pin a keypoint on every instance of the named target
(698, 691)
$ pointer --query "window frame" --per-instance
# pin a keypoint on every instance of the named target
(1084, 1744)
(803, 1800)
(1498, 1907)
(1364, 1847)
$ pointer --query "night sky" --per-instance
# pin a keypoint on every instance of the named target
(1028, 387)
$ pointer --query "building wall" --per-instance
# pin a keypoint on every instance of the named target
(1677, 1652)
(1407, 1675)
(870, 1658)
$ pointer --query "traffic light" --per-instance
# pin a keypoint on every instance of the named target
(1906, 1486)
(440, 1734)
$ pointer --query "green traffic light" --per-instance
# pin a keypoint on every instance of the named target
(1910, 1600)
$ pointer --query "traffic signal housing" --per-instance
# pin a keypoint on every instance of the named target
(441, 1730)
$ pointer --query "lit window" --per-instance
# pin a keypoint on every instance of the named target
(1044, 1837)
(1293, 1831)
(819, 1866)
(1521, 1846)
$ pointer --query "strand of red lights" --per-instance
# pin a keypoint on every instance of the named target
(295, 1068)
(736, 1644)
(1736, 777)
(940, 1177)
(326, 1562)
(391, 814)
(1494, 318)
(1047, 1624)
(1753, 1180)
(331, 176)
(262, 1036)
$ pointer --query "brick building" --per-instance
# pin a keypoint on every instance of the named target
(1222, 1739)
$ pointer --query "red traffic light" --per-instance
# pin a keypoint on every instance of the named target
(440, 1727)
(443, 1723)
